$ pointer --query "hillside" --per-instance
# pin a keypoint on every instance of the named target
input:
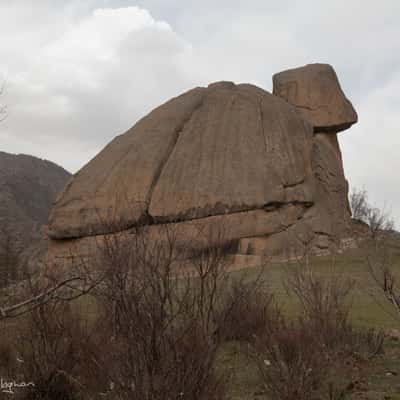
(28, 188)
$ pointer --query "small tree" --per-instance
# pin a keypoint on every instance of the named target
(379, 247)
(359, 204)
(377, 219)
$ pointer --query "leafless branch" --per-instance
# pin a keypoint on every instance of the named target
(54, 293)
(378, 249)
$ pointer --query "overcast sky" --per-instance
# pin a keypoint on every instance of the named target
(79, 72)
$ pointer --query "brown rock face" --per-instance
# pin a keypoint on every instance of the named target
(315, 90)
(211, 151)
(116, 186)
(227, 155)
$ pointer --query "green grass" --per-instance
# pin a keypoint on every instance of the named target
(369, 309)
(380, 377)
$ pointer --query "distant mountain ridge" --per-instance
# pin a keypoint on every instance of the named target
(28, 188)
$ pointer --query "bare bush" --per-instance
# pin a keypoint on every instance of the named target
(248, 310)
(160, 319)
(292, 364)
(311, 357)
(377, 219)
(324, 302)
(158, 325)
(359, 204)
(50, 343)
(381, 254)
(380, 250)
(8, 355)
(297, 359)
(36, 290)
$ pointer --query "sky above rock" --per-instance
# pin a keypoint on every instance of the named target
(78, 73)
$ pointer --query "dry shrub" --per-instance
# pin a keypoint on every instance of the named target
(295, 364)
(377, 219)
(159, 319)
(50, 344)
(291, 363)
(313, 356)
(325, 302)
(7, 352)
(248, 310)
(380, 249)
(156, 335)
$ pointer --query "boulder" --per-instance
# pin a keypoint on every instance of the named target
(256, 166)
(315, 91)
(116, 186)
(213, 151)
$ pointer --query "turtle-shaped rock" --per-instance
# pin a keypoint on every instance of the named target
(232, 155)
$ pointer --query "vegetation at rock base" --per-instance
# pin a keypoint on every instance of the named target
(306, 330)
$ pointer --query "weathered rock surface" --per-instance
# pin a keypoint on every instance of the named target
(315, 90)
(332, 210)
(198, 233)
(233, 157)
(116, 186)
(238, 152)
(209, 152)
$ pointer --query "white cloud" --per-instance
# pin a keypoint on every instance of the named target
(90, 82)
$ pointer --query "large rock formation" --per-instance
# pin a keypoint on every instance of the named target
(259, 165)
(315, 91)
(28, 188)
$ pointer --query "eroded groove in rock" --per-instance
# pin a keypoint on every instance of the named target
(292, 184)
(260, 107)
(171, 148)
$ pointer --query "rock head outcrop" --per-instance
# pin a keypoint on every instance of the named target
(315, 91)
(260, 165)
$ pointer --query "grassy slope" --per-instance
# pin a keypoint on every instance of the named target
(366, 313)
(376, 383)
